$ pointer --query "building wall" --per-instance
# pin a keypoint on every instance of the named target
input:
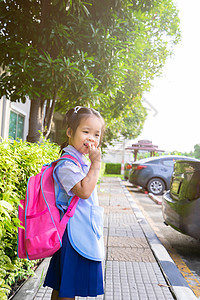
(17, 107)
(117, 156)
(23, 109)
(117, 152)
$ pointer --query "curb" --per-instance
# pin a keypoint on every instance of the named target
(30, 288)
(155, 199)
(177, 283)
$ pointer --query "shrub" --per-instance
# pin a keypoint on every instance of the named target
(112, 168)
(18, 161)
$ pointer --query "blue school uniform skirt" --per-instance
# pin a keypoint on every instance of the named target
(72, 274)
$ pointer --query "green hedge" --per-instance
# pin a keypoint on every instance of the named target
(18, 161)
(112, 168)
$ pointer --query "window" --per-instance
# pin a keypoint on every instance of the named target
(155, 162)
(16, 125)
(168, 162)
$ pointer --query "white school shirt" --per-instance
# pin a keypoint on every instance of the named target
(85, 228)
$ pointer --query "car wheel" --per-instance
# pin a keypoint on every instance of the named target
(156, 186)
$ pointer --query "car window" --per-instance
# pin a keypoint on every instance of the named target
(169, 162)
(156, 161)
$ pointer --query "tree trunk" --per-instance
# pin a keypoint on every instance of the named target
(35, 121)
(49, 121)
(49, 116)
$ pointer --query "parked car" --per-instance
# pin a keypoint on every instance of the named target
(127, 167)
(154, 173)
(181, 204)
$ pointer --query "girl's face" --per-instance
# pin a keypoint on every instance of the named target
(88, 131)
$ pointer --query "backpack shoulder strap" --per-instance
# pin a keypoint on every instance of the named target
(69, 157)
(74, 201)
(72, 158)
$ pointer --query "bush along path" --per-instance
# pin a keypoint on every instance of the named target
(18, 161)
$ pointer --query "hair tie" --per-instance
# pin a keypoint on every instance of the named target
(76, 109)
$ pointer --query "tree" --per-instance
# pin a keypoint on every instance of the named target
(195, 153)
(62, 53)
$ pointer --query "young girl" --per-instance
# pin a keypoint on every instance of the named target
(76, 270)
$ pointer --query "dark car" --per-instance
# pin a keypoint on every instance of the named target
(127, 167)
(154, 173)
(181, 204)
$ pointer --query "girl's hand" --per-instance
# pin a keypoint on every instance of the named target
(84, 188)
(94, 153)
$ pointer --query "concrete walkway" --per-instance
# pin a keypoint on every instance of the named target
(137, 266)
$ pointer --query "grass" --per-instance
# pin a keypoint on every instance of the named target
(114, 175)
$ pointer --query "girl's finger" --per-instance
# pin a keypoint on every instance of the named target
(89, 145)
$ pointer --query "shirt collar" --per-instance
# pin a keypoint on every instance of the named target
(81, 158)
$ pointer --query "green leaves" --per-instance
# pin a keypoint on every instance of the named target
(5, 207)
(101, 53)
(18, 160)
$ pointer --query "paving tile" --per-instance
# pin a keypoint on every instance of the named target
(130, 254)
(131, 242)
(130, 270)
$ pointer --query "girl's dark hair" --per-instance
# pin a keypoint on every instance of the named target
(73, 118)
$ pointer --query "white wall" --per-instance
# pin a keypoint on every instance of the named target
(116, 156)
(117, 153)
(5, 107)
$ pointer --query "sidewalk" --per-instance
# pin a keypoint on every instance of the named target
(137, 266)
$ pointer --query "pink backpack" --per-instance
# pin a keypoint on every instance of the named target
(41, 235)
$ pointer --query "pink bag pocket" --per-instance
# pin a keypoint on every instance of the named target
(21, 252)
